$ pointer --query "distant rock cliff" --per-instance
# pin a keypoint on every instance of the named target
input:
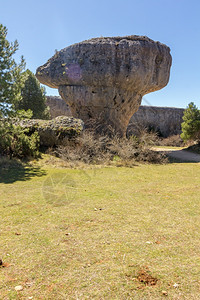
(58, 107)
(164, 120)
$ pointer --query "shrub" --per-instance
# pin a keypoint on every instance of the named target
(191, 123)
(173, 140)
(91, 148)
(17, 142)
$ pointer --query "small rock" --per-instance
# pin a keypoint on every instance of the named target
(5, 265)
(165, 293)
(95, 209)
(157, 242)
(175, 285)
(148, 242)
(19, 288)
(29, 284)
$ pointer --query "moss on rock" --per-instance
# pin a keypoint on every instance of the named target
(54, 132)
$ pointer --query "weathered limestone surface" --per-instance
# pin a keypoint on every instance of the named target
(58, 107)
(164, 120)
(54, 132)
(105, 78)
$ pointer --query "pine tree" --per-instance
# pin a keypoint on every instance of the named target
(33, 97)
(10, 73)
(191, 123)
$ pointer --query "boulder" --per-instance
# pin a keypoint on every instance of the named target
(54, 132)
(104, 79)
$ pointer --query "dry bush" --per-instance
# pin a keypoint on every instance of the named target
(147, 138)
(87, 148)
(173, 140)
(99, 149)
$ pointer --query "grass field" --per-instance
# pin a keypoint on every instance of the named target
(100, 232)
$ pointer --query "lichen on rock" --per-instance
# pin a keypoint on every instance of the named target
(105, 78)
(54, 132)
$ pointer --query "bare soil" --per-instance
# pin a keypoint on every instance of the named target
(144, 276)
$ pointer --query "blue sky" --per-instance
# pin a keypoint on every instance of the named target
(41, 26)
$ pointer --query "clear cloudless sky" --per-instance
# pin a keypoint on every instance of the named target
(41, 26)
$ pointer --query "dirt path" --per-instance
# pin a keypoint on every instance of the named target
(182, 155)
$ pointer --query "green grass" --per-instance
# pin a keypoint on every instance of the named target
(86, 234)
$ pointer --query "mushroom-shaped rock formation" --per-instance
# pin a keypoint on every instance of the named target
(105, 78)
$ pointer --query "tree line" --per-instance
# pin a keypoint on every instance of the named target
(21, 96)
(20, 91)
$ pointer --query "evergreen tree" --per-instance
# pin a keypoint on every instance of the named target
(191, 123)
(33, 97)
(10, 73)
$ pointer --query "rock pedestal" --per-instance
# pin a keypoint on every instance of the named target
(104, 79)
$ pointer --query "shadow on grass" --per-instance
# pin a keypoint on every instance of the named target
(15, 170)
(182, 156)
(194, 148)
(172, 160)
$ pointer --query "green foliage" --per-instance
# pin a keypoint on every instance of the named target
(11, 77)
(191, 123)
(18, 90)
(21, 114)
(33, 97)
(16, 141)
